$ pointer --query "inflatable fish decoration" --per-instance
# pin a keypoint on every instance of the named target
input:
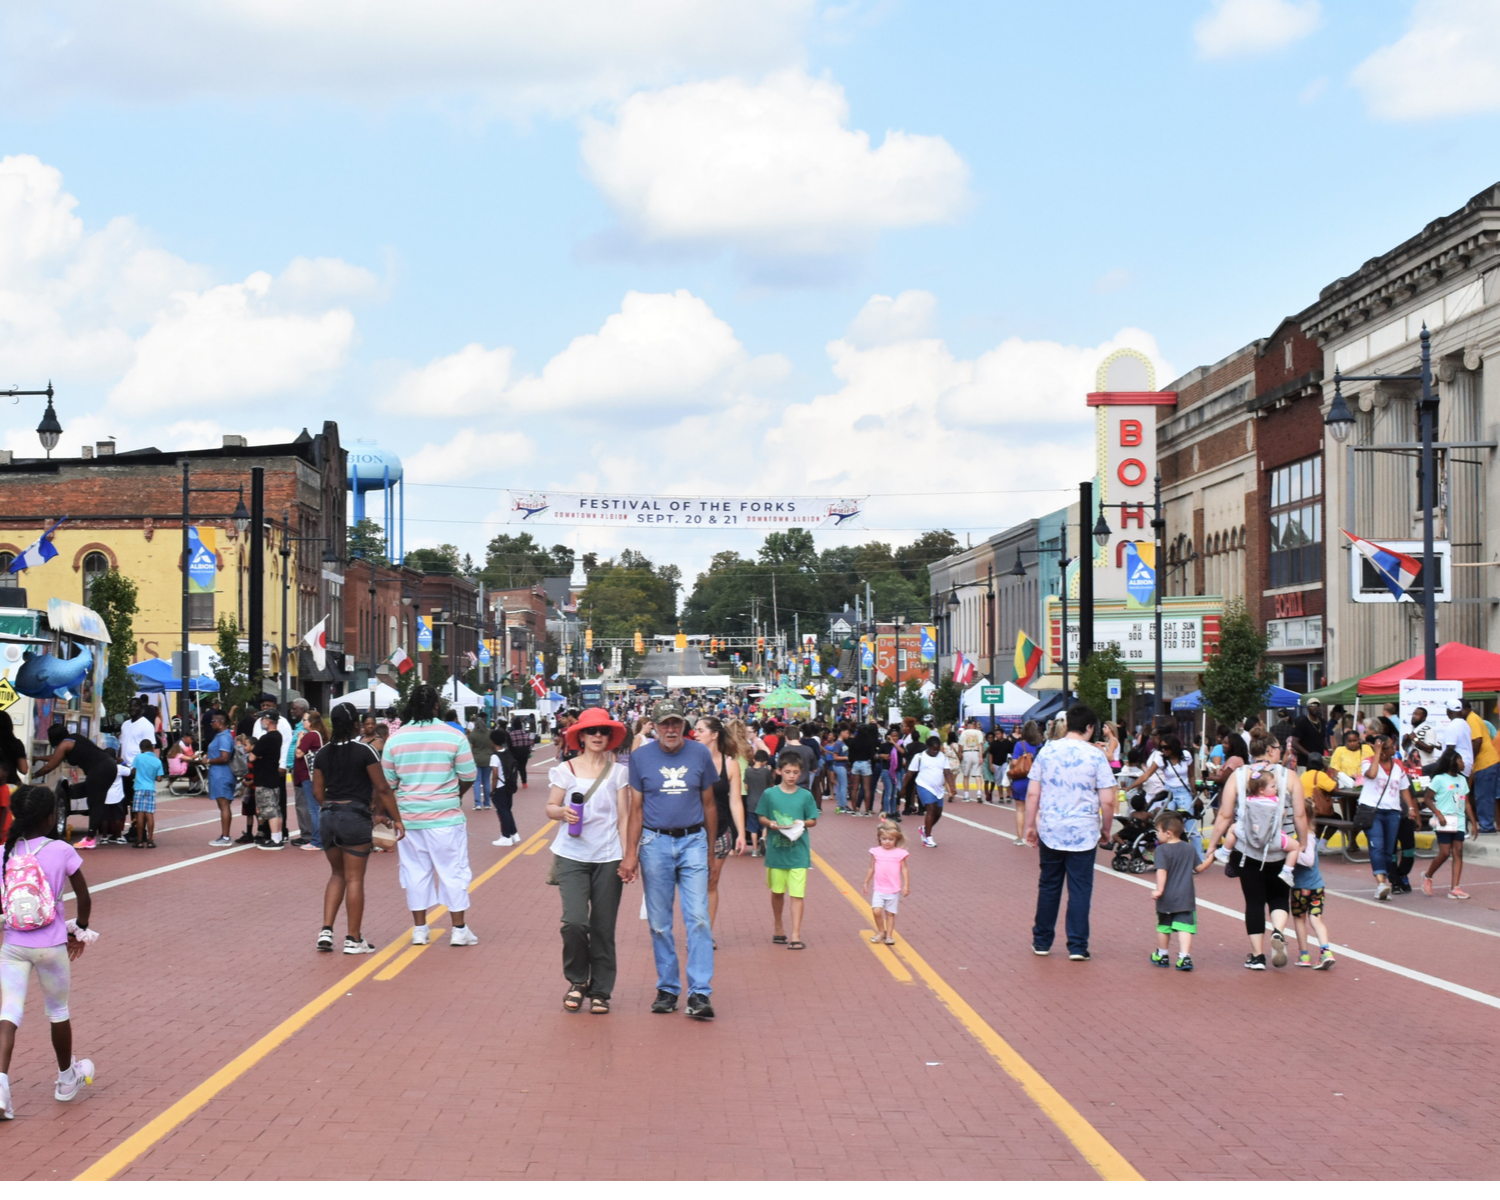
(45, 675)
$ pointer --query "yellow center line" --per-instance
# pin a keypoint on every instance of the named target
(887, 960)
(1088, 1141)
(158, 1127)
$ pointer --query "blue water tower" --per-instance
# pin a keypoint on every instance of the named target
(372, 469)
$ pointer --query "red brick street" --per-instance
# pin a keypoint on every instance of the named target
(227, 1048)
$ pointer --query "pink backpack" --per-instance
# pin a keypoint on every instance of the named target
(28, 900)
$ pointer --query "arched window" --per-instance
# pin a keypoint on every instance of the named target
(94, 565)
(8, 578)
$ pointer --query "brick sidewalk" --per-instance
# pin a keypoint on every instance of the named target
(820, 1064)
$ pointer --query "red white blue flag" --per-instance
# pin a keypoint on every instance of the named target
(1396, 570)
(963, 670)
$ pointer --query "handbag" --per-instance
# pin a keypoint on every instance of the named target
(587, 796)
(1364, 814)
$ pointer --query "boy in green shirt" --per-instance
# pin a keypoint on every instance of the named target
(786, 814)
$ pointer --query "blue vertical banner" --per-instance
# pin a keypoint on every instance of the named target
(203, 562)
(484, 652)
(424, 634)
(929, 643)
(1140, 575)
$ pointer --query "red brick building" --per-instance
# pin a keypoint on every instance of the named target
(520, 623)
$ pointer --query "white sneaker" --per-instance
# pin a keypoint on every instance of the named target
(1221, 855)
(420, 935)
(1383, 891)
(7, 1113)
(71, 1081)
(927, 841)
(503, 841)
(462, 935)
(221, 841)
(1288, 876)
(360, 947)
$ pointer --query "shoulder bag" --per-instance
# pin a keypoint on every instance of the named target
(1364, 814)
(587, 796)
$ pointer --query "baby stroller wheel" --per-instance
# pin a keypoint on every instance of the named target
(1139, 866)
(1121, 862)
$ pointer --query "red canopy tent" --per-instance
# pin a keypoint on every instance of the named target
(1478, 670)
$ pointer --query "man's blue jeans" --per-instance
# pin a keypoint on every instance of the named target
(891, 802)
(482, 787)
(1382, 839)
(1078, 867)
(1485, 782)
(841, 784)
(670, 865)
(310, 803)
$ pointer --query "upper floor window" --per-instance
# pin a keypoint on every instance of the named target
(94, 565)
(1297, 523)
(8, 578)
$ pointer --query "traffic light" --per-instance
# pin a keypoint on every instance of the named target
(588, 639)
(640, 643)
(760, 643)
(681, 640)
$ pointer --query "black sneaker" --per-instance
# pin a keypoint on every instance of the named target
(244, 838)
(1078, 955)
(1184, 962)
(1255, 962)
(665, 1002)
(699, 1008)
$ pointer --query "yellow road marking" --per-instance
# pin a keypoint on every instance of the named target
(887, 960)
(541, 844)
(409, 957)
(1088, 1141)
(158, 1127)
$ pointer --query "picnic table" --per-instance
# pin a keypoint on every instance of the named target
(1345, 801)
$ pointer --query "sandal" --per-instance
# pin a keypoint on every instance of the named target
(150, 845)
(877, 940)
(890, 941)
(598, 1005)
(573, 1001)
(796, 945)
(780, 939)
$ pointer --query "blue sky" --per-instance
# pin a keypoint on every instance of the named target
(642, 245)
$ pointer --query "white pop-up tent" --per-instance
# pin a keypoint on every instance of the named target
(459, 694)
(385, 697)
(1008, 713)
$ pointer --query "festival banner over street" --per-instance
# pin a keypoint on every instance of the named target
(687, 512)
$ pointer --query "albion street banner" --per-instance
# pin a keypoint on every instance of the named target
(688, 512)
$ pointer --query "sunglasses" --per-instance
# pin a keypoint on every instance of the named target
(597, 732)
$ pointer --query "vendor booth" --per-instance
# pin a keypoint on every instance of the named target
(1006, 715)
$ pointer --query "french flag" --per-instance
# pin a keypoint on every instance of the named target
(1396, 569)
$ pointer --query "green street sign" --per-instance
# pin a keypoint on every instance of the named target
(992, 695)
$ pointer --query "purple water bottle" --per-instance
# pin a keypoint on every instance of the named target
(575, 803)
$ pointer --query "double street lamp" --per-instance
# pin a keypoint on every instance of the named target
(329, 556)
(989, 612)
(1102, 534)
(241, 519)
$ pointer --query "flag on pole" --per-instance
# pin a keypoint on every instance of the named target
(473, 659)
(400, 660)
(1396, 570)
(40, 551)
(539, 685)
(963, 670)
(316, 640)
(1028, 659)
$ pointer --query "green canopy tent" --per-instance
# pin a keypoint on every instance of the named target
(785, 697)
(1344, 691)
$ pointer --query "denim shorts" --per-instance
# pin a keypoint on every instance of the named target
(861, 768)
(1447, 839)
(347, 827)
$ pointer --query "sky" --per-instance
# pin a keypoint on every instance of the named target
(871, 248)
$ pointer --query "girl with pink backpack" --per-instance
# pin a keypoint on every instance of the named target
(34, 870)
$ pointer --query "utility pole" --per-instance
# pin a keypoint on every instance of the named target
(255, 630)
(1086, 572)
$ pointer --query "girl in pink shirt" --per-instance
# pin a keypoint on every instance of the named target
(889, 873)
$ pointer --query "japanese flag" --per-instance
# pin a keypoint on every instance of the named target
(316, 639)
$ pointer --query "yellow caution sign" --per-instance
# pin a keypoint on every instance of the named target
(8, 694)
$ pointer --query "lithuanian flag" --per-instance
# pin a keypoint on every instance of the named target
(1028, 659)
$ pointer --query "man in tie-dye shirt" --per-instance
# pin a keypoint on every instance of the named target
(429, 766)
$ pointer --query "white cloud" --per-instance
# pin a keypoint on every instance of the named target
(668, 348)
(884, 319)
(230, 342)
(469, 382)
(1447, 64)
(317, 280)
(515, 55)
(1237, 28)
(772, 168)
(1116, 279)
(467, 454)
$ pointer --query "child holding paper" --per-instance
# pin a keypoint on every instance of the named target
(786, 813)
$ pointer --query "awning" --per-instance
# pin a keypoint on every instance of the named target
(66, 617)
(1045, 710)
(1478, 670)
(1343, 691)
(155, 674)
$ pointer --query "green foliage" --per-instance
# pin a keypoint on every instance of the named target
(1235, 684)
(516, 561)
(885, 696)
(434, 560)
(912, 704)
(233, 671)
(629, 593)
(113, 597)
(945, 702)
(367, 541)
(1104, 665)
(437, 668)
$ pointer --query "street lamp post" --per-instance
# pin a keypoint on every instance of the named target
(241, 520)
(286, 553)
(1340, 420)
(989, 613)
(1019, 572)
(50, 429)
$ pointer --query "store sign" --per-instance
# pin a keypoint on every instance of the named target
(1125, 412)
(1181, 639)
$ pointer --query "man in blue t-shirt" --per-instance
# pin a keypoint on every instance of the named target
(673, 821)
(220, 759)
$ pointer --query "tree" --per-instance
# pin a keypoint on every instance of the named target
(434, 560)
(437, 668)
(629, 593)
(367, 541)
(515, 561)
(113, 597)
(912, 703)
(233, 671)
(1104, 665)
(945, 702)
(885, 697)
(1238, 676)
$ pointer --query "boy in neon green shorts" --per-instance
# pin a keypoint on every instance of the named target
(786, 814)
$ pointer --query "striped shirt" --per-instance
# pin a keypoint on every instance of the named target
(424, 763)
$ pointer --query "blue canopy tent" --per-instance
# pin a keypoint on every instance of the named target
(1276, 697)
(155, 675)
(1045, 710)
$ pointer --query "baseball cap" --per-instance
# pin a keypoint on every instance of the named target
(664, 710)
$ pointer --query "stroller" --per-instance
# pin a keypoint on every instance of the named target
(1135, 841)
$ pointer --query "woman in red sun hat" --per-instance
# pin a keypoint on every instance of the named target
(587, 801)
